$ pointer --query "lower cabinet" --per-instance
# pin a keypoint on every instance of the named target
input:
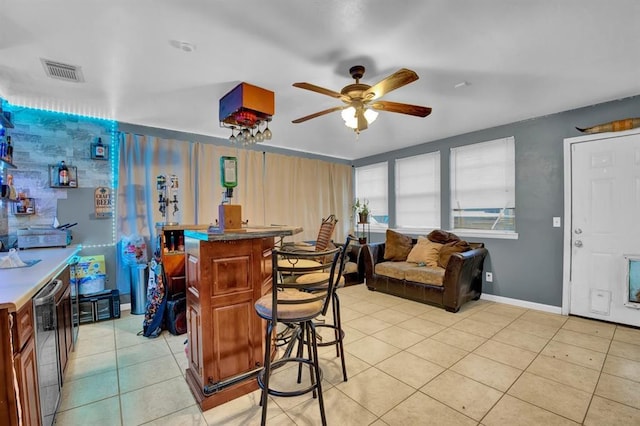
(27, 374)
(224, 280)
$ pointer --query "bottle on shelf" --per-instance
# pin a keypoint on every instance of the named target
(63, 174)
(3, 145)
(180, 242)
(172, 242)
(9, 155)
(99, 150)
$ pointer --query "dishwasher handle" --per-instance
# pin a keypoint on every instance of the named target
(49, 295)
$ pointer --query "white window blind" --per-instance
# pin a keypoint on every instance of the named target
(418, 191)
(483, 185)
(372, 185)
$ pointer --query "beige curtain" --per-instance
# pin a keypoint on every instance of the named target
(300, 191)
(272, 189)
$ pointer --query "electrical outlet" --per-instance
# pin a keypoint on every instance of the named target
(557, 222)
(488, 277)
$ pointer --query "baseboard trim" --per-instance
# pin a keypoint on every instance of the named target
(125, 306)
(523, 303)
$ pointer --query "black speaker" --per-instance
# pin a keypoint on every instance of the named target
(176, 314)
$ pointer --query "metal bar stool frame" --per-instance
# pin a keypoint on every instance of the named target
(284, 297)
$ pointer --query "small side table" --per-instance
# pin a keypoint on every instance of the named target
(364, 232)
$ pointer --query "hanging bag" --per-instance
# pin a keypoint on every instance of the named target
(152, 324)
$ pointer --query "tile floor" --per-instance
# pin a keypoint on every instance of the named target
(408, 363)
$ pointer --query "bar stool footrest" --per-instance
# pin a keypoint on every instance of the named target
(332, 342)
(279, 363)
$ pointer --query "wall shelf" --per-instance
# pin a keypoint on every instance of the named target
(7, 165)
(24, 207)
(54, 181)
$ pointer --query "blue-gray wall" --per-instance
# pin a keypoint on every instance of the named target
(529, 268)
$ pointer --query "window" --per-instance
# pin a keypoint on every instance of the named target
(418, 191)
(371, 185)
(483, 186)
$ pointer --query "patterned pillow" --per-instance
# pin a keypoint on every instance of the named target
(397, 246)
(426, 252)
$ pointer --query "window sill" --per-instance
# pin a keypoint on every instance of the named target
(478, 233)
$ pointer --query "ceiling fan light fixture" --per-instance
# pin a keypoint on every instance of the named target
(351, 120)
(349, 117)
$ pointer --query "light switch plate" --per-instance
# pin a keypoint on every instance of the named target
(557, 222)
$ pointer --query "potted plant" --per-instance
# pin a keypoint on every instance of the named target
(362, 209)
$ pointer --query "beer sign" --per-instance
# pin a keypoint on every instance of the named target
(103, 201)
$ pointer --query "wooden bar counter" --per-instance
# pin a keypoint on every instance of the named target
(225, 274)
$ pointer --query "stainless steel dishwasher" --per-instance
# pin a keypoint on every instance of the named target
(44, 304)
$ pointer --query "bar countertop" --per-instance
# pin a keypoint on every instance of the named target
(19, 285)
(215, 234)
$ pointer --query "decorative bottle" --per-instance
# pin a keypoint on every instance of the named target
(9, 154)
(3, 145)
(63, 174)
(99, 149)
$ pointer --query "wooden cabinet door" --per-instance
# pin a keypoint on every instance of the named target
(194, 330)
(27, 372)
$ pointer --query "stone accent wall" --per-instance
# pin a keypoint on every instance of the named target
(44, 138)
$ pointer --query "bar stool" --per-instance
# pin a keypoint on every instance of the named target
(290, 303)
(316, 281)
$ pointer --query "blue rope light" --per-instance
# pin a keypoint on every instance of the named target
(112, 125)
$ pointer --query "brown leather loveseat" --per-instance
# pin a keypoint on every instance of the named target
(445, 271)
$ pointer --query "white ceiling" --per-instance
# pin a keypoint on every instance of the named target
(522, 58)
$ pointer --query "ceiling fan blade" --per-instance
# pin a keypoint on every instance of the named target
(418, 111)
(397, 79)
(321, 90)
(318, 114)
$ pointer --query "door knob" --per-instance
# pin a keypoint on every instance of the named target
(578, 231)
(578, 243)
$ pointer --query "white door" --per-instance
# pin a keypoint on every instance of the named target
(605, 226)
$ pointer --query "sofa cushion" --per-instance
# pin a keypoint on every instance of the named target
(425, 251)
(425, 275)
(442, 237)
(450, 248)
(393, 269)
(397, 246)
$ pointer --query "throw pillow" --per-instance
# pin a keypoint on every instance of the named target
(425, 251)
(442, 237)
(397, 246)
(448, 249)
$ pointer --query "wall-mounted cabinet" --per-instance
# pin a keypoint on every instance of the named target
(56, 179)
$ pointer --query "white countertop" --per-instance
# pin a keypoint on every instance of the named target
(19, 285)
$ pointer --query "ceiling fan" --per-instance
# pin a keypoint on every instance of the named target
(360, 99)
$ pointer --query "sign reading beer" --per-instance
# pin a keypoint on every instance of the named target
(103, 201)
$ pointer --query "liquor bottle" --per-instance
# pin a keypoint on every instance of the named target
(180, 242)
(172, 246)
(9, 154)
(3, 145)
(99, 149)
(63, 174)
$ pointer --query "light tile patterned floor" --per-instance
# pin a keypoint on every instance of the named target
(408, 363)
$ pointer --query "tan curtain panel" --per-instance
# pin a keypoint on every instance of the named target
(301, 191)
(272, 188)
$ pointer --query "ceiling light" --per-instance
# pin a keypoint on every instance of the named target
(350, 119)
(461, 84)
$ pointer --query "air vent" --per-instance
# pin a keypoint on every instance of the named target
(62, 71)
